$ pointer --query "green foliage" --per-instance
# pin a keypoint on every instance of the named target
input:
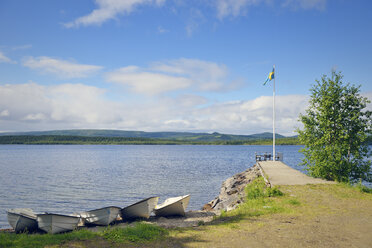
(272, 192)
(260, 200)
(257, 189)
(74, 140)
(362, 188)
(184, 136)
(138, 233)
(335, 131)
(201, 223)
(25, 240)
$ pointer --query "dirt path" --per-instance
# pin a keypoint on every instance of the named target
(327, 216)
(281, 174)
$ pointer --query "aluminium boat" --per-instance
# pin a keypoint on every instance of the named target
(57, 223)
(173, 206)
(22, 219)
(101, 216)
(141, 209)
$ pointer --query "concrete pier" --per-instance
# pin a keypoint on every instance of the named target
(279, 173)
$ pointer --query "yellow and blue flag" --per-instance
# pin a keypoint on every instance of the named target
(270, 77)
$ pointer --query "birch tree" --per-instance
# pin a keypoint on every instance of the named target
(335, 128)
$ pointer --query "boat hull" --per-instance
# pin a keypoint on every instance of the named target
(175, 206)
(141, 209)
(57, 223)
(22, 220)
(101, 216)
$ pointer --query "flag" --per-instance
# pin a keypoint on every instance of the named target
(270, 77)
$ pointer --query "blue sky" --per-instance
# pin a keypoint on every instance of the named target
(174, 65)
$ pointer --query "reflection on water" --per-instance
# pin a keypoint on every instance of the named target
(66, 179)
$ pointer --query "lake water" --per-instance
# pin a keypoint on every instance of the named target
(71, 178)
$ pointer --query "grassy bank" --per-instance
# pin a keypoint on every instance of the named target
(289, 216)
(138, 233)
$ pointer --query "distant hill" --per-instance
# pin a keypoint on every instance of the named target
(185, 136)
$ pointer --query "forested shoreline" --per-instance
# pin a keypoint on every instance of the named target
(83, 140)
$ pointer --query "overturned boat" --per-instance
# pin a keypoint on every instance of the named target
(22, 219)
(57, 223)
(101, 216)
(173, 206)
(141, 209)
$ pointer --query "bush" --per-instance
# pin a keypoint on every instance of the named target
(362, 188)
(257, 189)
(271, 192)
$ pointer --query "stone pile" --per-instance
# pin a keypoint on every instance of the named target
(232, 191)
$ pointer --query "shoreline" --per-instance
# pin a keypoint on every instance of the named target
(311, 215)
(230, 197)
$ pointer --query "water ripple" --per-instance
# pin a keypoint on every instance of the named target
(67, 179)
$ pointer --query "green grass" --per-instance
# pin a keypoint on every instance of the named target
(26, 240)
(140, 232)
(260, 200)
(294, 202)
(347, 190)
(307, 200)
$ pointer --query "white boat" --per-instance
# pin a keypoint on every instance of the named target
(173, 206)
(57, 223)
(141, 209)
(22, 219)
(102, 216)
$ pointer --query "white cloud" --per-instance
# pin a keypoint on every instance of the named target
(5, 59)
(61, 68)
(109, 9)
(193, 67)
(147, 82)
(235, 8)
(51, 107)
(206, 75)
(173, 75)
(81, 104)
(4, 113)
(188, 100)
(253, 116)
(35, 117)
(32, 106)
(368, 95)
(195, 19)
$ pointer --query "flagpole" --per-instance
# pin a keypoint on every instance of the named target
(274, 115)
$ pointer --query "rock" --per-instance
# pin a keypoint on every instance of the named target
(207, 207)
(232, 191)
(162, 219)
(191, 219)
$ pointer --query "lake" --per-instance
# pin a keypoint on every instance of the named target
(71, 178)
